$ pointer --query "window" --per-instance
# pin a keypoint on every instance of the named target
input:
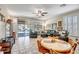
(75, 25)
(65, 23)
(70, 24)
(23, 30)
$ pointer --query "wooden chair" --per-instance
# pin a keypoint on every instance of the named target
(56, 52)
(73, 49)
(70, 41)
(41, 48)
(73, 44)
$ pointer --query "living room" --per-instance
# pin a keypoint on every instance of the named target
(34, 29)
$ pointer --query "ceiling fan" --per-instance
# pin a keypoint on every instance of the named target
(40, 12)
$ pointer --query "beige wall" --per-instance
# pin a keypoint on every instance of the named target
(4, 12)
(49, 23)
(2, 24)
(75, 12)
(2, 29)
(53, 20)
(58, 18)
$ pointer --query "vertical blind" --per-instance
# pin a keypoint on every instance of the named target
(70, 24)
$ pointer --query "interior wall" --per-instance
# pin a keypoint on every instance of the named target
(49, 23)
(2, 29)
(4, 12)
(72, 13)
(15, 24)
(75, 12)
(2, 24)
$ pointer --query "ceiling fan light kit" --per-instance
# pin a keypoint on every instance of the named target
(40, 12)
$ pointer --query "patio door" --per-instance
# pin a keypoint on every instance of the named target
(23, 30)
(23, 36)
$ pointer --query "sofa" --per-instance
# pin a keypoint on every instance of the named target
(33, 34)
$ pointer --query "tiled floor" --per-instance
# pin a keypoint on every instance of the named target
(28, 46)
(25, 46)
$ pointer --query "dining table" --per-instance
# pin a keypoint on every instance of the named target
(57, 45)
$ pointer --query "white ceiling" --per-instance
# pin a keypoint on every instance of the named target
(28, 9)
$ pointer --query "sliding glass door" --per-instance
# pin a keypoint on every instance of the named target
(23, 30)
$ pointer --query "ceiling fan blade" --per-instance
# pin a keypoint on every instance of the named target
(42, 14)
(45, 12)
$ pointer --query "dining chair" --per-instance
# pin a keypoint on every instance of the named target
(70, 41)
(55, 52)
(73, 44)
(41, 48)
(73, 49)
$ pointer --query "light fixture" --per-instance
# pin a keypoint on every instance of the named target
(40, 12)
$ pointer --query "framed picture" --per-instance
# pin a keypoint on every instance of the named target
(59, 23)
